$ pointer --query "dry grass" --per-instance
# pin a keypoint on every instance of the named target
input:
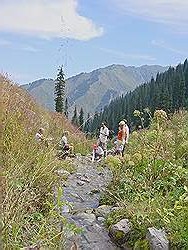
(28, 173)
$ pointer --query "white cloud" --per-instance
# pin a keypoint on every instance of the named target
(164, 45)
(172, 12)
(47, 18)
(123, 55)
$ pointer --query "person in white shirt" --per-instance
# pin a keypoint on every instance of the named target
(64, 145)
(40, 135)
(103, 138)
(98, 153)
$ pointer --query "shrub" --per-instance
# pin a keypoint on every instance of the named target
(150, 183)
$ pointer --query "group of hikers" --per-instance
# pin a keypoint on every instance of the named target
(120, 141)
(100, 148)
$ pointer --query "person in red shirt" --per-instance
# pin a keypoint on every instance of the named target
(123, 136)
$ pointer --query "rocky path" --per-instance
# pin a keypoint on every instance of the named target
(82, 190)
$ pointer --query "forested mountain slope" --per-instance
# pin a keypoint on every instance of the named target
(93, 90)
(169, 91)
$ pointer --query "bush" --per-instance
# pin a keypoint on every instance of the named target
(150, 186)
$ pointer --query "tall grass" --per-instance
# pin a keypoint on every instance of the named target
(150, 184)
(28, 173)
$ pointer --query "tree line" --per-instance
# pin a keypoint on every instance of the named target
(169, 91)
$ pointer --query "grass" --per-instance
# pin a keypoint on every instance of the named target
(28, 174)
(150, 184)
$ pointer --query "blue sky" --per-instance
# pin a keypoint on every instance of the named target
(39, 35)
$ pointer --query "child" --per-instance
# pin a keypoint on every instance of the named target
(98, 153)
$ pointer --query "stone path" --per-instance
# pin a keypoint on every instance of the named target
(82, 190)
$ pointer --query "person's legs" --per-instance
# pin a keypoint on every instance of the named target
(123, 150)
(104, 147)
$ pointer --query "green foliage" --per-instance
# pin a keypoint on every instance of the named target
(75, 117)
(81, 119)
(169, 91)
(60, 91)
(150, 184)
(66, 108)
(30, 215)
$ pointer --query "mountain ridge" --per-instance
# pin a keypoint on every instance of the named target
(94, 90)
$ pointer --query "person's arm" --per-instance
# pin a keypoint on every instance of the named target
(93, 156)
(127, 134)
(123, 136)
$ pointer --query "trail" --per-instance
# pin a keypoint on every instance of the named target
(82, 190)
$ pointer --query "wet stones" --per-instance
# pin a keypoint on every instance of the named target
(157, 239)
(103, 210)
(120, 231)
(88, 218)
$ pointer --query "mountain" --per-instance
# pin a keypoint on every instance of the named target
(169, 92)
(96, 89)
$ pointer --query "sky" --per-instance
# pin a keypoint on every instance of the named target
(38, 36)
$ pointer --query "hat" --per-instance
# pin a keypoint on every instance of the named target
(122, 123)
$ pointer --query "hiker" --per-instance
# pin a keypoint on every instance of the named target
(103, 137)
(41, 138)
(40, 135)
(123, 136)
(64, 145)
(98, 153)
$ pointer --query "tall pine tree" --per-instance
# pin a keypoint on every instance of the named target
(75, 117)
(59, 91)
(81, 119)
(66, 108)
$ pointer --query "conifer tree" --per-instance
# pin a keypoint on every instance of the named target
(66, 108)
(87, 124)
(169, 91)
(59, 91)
(81, 118)
(75, 117)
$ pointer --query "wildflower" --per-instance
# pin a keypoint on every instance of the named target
(131, 163)
(136, 113)
(160, 114)
(137, 157)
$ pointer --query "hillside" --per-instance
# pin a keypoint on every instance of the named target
(29, 170)
(169, 91)
(94, 90)
(149, 186)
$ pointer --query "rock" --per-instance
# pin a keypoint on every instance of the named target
(94, 191)
(65, 209)
(80, 183)
(32, 248)
(101, 173)
(157, 239)
(103, 210)
(89, 211)
(120, 231)
(85, 179)
(63, 173)
(87, 217)
(77, 196)
(101, 219)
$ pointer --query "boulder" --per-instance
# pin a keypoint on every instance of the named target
(80, 183)
(120, 231)
(157, 239)
(103, 210)
(89, 218)
(101, 219)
